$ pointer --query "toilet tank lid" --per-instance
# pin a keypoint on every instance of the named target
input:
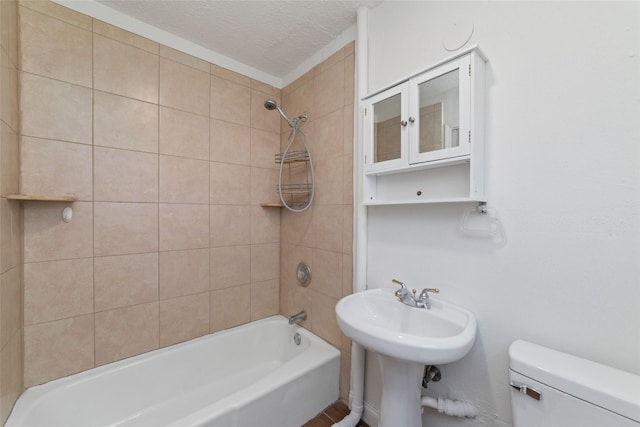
(610, 388)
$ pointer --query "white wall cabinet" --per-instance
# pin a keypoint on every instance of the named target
(424, 136)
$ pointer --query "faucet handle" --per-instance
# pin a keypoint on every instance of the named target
(398, 282)
(400, 293)
(424, 294)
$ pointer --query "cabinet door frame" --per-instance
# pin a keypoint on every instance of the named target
(369, 130)
(464, 114)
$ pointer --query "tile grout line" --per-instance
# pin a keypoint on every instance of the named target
(93, 190)
(159, 197)
(209, 125)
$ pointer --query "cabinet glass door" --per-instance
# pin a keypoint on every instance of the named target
(436, 124)
(387, 127)
(438, 109)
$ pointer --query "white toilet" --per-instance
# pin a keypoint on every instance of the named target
(554, 389)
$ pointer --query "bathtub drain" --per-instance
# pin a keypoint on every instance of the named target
(297, 339)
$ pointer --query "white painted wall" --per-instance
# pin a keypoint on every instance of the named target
(563, 157)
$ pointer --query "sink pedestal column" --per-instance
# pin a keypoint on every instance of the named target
(401, 390)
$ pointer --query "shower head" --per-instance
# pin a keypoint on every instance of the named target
(270, 104)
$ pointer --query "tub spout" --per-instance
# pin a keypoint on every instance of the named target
(297, 317)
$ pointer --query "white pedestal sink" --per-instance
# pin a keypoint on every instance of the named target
(406, 338)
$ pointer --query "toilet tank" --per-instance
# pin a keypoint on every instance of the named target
(554, 389)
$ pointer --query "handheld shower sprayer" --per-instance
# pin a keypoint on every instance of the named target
(295, 196)
(271, 105)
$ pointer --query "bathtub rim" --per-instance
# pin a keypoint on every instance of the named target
(35, 394)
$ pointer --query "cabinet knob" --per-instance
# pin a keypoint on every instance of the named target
(412, 119)
(403, 123)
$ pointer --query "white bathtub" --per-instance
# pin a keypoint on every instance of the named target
(252, 375)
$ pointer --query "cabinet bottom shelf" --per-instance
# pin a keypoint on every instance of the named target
(424, 202)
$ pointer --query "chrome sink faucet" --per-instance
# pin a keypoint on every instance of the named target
(406, 297)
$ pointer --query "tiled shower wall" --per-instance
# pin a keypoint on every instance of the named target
(170, 158)
(10, 215)
(323, 235)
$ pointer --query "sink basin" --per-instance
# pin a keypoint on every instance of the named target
(376, 320)
(405, 338)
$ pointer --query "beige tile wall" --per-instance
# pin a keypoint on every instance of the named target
(387, 136)
(11, 306)
(431, 128)
(322, 235)
(170, 158)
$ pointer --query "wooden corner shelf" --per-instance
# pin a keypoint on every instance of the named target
(39, 198)
(271, 205)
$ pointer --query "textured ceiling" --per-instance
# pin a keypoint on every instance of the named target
(274, 36)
